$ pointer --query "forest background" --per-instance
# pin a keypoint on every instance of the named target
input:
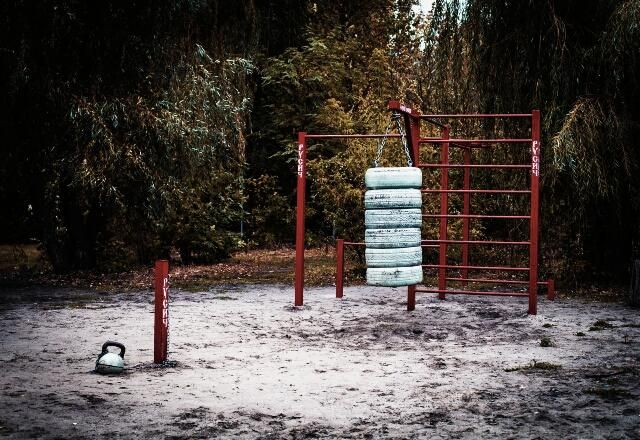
(133, 130)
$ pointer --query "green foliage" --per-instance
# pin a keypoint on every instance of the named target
(169, 162)
(127, 126)
(339, 82)
(270, 217)
(600, 325)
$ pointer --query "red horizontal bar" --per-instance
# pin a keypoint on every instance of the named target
(456, 165)
(351, 136)
(448, 266)
(479, 191)
(473, 141)
(486, 280)
(439, 124)
(480, 115)
(520, 243)
(472, 292)
(476, 216)
(353, 243)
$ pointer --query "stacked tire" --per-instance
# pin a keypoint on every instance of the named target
(393, 217)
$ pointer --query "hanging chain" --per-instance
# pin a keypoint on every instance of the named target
(397, 118)
(403, 138)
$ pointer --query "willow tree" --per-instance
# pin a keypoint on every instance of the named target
(124, 124)
(577, 62)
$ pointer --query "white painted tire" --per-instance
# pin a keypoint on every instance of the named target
(392, 198)
(392, 218)
(393, 177)
(394, 276)
(395, 257)
(392, 238)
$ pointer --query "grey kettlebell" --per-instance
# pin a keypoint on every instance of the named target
(109, 362)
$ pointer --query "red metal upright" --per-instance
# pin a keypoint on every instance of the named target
(466, 208)
(301, 189)
(161, 315)
(412, 124)
(339, 267)
(533, 222)
(411, 298)
(444, 211)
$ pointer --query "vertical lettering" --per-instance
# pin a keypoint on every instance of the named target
(535, 158)
(165, 302)
(300, 164)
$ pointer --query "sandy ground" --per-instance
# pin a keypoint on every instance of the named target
(249, 365)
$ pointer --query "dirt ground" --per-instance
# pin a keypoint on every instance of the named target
(249, 365)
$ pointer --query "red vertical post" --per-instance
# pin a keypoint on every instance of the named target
(411, 298)
(466, 207)
(412, 124)
(161, 316)
(301, 189)
(444, 208)
(551, 290)
(533, 224)
(339, 267)
(414, 139)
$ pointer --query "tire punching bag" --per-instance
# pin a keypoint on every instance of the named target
(393, 218)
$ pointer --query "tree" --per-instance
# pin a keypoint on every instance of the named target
(574, 61)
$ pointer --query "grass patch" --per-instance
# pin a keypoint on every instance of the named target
(546, 342)
(600, 325)
(534, 365)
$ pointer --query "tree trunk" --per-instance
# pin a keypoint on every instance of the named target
(634, 291)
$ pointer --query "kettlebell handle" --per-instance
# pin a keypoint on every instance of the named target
(108, 344)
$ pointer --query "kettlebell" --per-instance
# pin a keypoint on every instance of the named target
(109, 362)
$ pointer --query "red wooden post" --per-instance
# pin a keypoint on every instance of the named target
(161, 318)
(444, 203)
(411, 298)
(466, 207)
(301, 188)
(533, 224)
(339, 267)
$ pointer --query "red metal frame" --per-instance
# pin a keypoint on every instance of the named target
(412, 121)
(161, 315)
